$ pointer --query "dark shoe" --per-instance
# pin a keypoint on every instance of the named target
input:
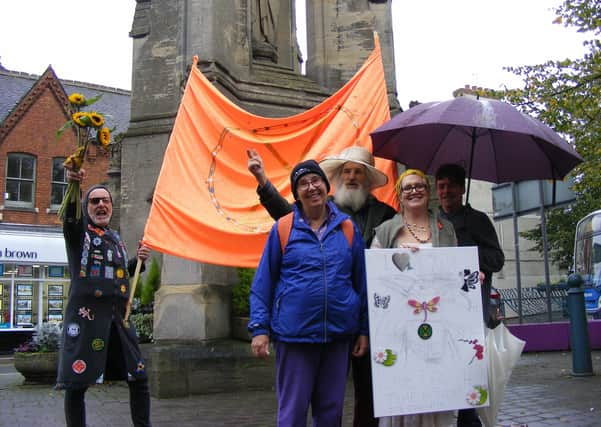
(468, 418)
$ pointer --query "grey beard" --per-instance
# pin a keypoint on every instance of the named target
(352, 199)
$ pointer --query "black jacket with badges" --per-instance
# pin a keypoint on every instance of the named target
(96, 344)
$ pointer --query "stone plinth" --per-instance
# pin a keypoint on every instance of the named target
(182, 368)
(194, 301)
(192, 312)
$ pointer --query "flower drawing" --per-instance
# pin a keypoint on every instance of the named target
(386, 357)
(477, 396)
(478, 348)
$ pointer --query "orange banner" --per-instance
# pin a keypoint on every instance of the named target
(205, 207)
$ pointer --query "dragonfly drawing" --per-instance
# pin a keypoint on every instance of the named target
(425, 306)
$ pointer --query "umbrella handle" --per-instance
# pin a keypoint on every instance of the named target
(133, 289)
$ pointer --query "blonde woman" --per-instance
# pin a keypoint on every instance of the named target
(413, 227)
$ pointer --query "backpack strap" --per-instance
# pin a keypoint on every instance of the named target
(285, 226)
(349, 231)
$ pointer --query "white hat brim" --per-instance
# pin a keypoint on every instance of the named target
(330, 166)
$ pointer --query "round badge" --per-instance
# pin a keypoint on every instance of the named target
(79, 366)
(97, 344)
(123, 289)
(120, 273)
(73, 330)
(140, 367)
(97, 293)
(424, 331)
(96, 241)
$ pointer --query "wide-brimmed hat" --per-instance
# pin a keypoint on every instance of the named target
(331, 164)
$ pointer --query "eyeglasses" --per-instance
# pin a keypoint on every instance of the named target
(315, 181)
(419, 187)
(96, 200)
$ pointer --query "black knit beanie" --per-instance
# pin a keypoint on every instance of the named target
(303, 168)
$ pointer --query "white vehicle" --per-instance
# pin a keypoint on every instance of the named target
(587, 260)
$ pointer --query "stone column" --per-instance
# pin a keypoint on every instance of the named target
(194, 301)
(340, 38)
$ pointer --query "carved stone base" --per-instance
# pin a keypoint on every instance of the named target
(180, 368)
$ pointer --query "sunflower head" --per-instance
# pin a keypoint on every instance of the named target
(81, 118)
(104, 137)
(77, 99)
(96, 118)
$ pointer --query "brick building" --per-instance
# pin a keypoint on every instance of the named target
(33, 277)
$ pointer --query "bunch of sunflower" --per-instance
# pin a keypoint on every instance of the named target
(89, 128)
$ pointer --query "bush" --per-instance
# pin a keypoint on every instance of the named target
(46, 338)
(240, 293)
(144, 324)
(151, 284)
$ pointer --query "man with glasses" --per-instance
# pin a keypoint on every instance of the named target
(354, 177)
(97, 344)
(473, 228)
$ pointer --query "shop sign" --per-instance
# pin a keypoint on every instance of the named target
(32, 248)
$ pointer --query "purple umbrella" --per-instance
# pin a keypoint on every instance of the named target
(493, 141)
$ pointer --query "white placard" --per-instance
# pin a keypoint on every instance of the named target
(426, 330)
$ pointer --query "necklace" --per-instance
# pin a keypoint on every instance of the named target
(416, 227)
(426, 240)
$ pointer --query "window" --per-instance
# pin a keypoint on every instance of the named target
(20, 180)
(59, 182)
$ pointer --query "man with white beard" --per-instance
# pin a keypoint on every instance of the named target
(354, 177)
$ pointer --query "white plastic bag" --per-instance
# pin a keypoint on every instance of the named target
(504, 350)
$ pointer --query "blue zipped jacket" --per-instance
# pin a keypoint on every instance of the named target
(316, 291)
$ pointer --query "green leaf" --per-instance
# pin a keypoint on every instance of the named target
(66, 126)
(92, 100)
(390, 358)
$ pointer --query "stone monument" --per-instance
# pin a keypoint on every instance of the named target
(248, 49)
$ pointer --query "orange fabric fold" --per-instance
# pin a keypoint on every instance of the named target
(205, 207)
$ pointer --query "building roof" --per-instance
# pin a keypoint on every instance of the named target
(115, 103)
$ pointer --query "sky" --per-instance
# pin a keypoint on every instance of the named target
(440, 45)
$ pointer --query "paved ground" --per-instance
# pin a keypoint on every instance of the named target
(541, 393)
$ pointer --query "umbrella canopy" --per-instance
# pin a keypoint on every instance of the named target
(491, 139)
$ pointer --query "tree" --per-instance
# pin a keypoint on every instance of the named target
(566, 94)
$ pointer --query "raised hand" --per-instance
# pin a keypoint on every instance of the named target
(255, 166)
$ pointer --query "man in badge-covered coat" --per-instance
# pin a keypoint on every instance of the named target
(97, 344)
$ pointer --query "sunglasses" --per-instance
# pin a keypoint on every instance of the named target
(95, 200)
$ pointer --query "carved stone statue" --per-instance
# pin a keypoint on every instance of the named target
(264, 29)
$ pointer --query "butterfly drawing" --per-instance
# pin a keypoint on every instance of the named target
(429, 306)
(470, 280)
(380, 301)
